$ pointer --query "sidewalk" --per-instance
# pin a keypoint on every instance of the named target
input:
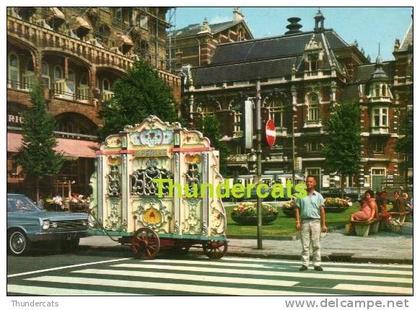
(381, 248)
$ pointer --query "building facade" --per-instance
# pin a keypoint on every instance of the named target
(302, 75)
(195, 44)
(78, 54)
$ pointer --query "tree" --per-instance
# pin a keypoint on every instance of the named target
(210, 127)
(37, 156)
(137, 95)
(405, 144)
(343, 146)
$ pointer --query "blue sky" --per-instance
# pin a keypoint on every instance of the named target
(369, 26)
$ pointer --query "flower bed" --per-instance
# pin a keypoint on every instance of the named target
(289, 208)
(336, 204)
(246, 213)
(76, 203)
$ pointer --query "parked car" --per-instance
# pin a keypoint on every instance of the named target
(27, 223)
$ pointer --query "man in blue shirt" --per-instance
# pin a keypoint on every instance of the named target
(310, 221)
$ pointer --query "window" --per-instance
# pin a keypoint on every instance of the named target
(106, 85)
(312, 62)
(276, 110)
(144, 21)
(118, 14)
(71, 81)
(380, 117)
(45, 74)
(384, 90)
(13, 72)
(378, 147)
(237, 122)
(313, 147)
(377, 90)
(58, 73)
(313, 111)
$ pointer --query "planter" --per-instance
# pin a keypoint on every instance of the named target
(252, 220)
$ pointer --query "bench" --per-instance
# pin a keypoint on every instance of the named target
(365, 228)
(397, 221)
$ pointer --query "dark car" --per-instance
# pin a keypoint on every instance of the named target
(27, 223)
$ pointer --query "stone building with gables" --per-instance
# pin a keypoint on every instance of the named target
(78, 54)
(302, 76)
(195, 44)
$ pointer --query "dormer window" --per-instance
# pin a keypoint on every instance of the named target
(377, 90)
(312, 62)
(384, 90)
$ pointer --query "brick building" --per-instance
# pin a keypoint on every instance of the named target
(302, 76)
(195, 44)
(78, 53)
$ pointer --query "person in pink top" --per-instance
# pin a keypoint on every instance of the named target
(368, 209)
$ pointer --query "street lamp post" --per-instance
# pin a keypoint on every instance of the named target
(259, 213)
(293, 91)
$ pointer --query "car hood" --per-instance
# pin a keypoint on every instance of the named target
(54, 216)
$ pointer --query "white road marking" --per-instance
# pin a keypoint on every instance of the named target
(278, 261)
(217, 290)
(279, 266)
(189, 277)
(66, 267)
(323, 275)
(374, 288)
(44, 290)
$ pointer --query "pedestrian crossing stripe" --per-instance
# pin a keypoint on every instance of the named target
(278, 266)
(188, 277)
(230, 276)
(375, 288)
(324, 275)
(45, 290)
(188, 288)
(290, 262)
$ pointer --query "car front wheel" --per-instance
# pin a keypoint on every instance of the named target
(18, 243)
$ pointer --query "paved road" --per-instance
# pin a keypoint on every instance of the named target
(107, 274)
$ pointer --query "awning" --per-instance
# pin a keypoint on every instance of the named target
(124, 40)
(69, 147)
(55, 13)
(80, 22)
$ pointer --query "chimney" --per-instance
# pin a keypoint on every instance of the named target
(294, 26)
(237, 15)
(319, 22)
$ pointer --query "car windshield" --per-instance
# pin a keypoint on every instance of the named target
(20, 204)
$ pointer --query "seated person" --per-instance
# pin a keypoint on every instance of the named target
(398, 203)
(407, 203)
(367, 209)
(382, 201)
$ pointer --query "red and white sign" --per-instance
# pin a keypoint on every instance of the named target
(270, 132)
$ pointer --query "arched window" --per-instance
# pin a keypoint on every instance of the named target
(313, 111)
(13, 70)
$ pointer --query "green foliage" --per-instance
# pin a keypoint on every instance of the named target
(210, 127)
(37, 156)
(405, 145)
(343, 146)
(137, 95)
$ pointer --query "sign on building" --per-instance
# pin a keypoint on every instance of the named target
(248, 124)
